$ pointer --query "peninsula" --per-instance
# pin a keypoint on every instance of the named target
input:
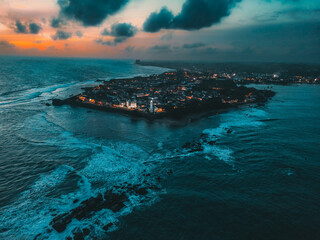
(169, 95)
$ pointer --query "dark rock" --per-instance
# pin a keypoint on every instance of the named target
(76, 200)
(211, 143)
(106, 227)
(141, 191)
(78, 236)
(187, 145)
(155, 188)
(204, 135)
(86, 231)
(48, 104)
(57, 102)
(229, 131)
(196, 147)
(69, 238)
(110, 200)
(114, 201)
(37, 236)
(60, 222)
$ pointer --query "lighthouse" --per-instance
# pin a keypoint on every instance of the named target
(151, 106)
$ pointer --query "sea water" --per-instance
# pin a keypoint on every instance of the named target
(259, 181)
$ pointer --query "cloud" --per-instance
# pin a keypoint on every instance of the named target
(160, 48)
(194, 15)
(20, 28)
(167, 36)
(108, 42)
(114, 42)
(56, 22)
(89, 12)
(79, 34)
(210, 50)
(120, 31)
(157, 21)
(7, 48)
(129, 48)
(34, 28)
(6, 45)
(61, 35)
(105, 32)
(193, 45)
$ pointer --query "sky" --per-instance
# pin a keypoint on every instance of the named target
(196, 30)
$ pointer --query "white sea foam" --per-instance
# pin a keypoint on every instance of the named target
(36, 94)
(109, 165)
(232, 122)
(222, 152)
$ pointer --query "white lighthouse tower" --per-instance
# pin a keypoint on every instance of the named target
(151, 106)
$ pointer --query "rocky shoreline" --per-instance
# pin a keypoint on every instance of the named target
(115, 199)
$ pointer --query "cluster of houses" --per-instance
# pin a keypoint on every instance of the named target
(159, 93)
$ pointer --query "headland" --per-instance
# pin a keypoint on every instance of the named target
(172, 95)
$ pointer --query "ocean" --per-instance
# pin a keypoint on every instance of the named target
(261, 181)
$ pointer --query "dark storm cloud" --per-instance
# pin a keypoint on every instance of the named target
(20, 28)
(56, 22)
(194, 45)
(282, 42)
(197, 14)
(157, 21)
(61, 35)
(34, 28)
(120, 31)
(90, 12)
(194, 15)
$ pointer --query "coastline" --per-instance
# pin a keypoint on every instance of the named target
(176, 96)
(181, 116)
(135, 115)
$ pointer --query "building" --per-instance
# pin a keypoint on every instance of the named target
(151, 106)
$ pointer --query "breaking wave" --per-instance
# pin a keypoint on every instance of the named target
(28, 96)
(108, 167)
(212, 141)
